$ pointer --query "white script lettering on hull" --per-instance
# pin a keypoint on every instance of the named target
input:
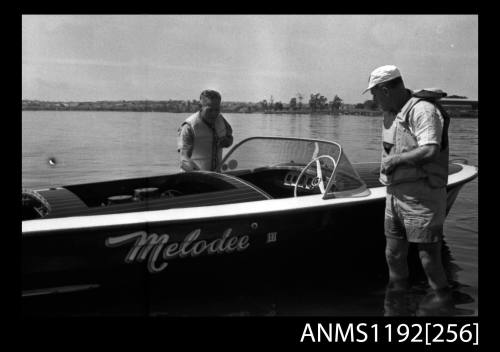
(155, 247)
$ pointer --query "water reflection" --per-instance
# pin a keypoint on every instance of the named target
(417, 302)
(416, 298)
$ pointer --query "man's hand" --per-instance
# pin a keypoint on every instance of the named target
(418, 156)
(225, 141)
(189, 165)
(390, 162)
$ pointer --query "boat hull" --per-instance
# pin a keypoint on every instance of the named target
(246, 250)
(105, 265)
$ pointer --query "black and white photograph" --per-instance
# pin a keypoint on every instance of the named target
(250, 165)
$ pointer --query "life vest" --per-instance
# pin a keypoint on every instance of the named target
(399, 136)
(206, 153)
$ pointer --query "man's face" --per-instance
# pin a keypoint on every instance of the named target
(210, 109)
(381, 96)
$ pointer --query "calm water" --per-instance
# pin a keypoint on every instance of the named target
(98, 146)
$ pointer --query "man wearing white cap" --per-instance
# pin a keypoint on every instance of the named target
(415, 169)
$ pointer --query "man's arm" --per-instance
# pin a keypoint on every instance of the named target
(418, 156)
(227, 140)
(186, 163)
(185, 148)
(427, 126)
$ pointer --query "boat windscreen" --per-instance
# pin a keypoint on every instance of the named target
(260, 152)
(346, 181)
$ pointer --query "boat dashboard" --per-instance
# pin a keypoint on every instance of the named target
(279, 182)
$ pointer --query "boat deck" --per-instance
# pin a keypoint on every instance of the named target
(369, 172)
(72, 201)
(80, 200)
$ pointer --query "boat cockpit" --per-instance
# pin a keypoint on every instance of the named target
(257, 168)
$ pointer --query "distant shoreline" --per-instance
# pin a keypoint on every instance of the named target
(465, 115)
(180, 106)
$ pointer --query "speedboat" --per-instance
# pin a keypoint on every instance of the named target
(284, 201)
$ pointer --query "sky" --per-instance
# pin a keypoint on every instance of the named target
(245, 57)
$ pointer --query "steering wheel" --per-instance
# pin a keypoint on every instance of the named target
(318, 180)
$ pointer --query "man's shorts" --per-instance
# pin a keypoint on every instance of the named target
(416, 212)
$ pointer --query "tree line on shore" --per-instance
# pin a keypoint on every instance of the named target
(316, 103)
